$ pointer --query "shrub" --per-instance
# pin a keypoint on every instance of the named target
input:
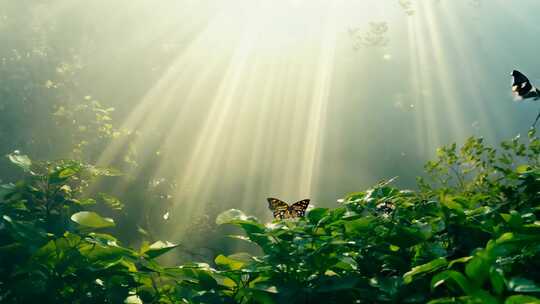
(469, 234)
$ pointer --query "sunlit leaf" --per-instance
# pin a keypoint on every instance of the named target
(523, 169)
(92, 220)
(85, 201)
(133, 299)
(20, 160)
(451, 275)
(424, 268)
(158, 248)
(233, 262)
(519, 284)
(66, 173)
(394, 248)
(230, 216)
(111, 201)
(521, 299)
(460, 260)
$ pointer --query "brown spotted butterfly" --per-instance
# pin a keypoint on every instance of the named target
(282, 210)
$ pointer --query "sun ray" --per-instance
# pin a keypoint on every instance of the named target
(245, 108)
(144, 111)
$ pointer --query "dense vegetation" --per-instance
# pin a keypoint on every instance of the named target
(470, 234)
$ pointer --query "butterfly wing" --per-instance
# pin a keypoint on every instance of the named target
(279, 208)
(298, 209)
(521, 86)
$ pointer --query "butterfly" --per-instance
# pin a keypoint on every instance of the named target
(522, 87)
(282, 210)
(385, 207)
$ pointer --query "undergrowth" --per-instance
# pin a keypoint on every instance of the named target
(469, 234)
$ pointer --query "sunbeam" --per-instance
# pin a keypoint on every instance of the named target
(261, 97)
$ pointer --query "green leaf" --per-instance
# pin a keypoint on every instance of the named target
(359, 225)
(233, 262)
(7, 189)
(111, 201)
(64, 172)
(346, 263)
(388, 285)
(460, 260)
(201, 273)
(316, 214)
(104, 238)
(513, 219)
(393, 248)
(230, 216)
(67, 172)
(453, 276)
(523, 169)
(20, 160)
(425, 268)
(26, 232)
(452, 203)
(520, 299)
(519, 284)
(478, 269)
(483, 297)
(497, 280)
(158, 248)
(107, 255)
(85, 201)
(133, 299)
(92, 220)
(226, 281)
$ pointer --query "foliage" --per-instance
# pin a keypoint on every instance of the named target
(470, 234)
(91, 128)
(51, 244)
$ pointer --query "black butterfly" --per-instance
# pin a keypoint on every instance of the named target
(282, 210)
(522, 87)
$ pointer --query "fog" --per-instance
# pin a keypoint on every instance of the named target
(230, 102)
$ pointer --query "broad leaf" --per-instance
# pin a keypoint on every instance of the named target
(92, 220)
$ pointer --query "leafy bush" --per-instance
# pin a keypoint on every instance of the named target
(470, 234)
(51, 247)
